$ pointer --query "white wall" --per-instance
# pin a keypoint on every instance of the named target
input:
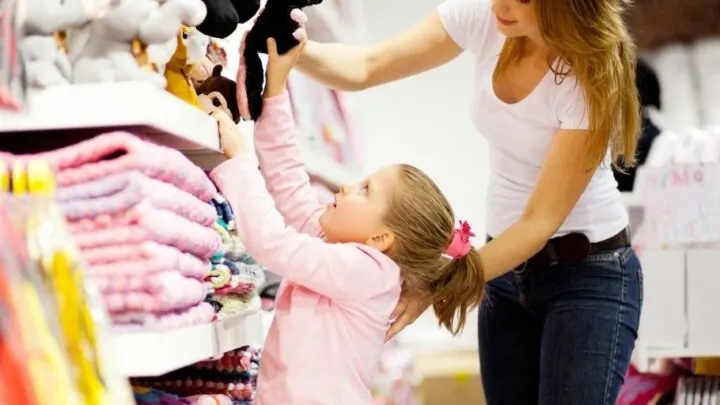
(425, 121)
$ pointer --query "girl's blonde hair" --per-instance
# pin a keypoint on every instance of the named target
(593, 44)
(423, 223)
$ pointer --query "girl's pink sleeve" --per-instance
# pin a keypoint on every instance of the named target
(281, 164)
(342, 272)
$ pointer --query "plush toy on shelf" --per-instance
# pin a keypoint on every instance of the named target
(191, 47)
(217, 93)
(109, 53)
(280, 19)
(200, 72)
(42, 45)
(224, 16)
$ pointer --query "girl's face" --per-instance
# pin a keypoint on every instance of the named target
(515, 18)
(358, 211)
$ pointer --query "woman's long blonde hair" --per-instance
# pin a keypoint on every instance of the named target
(593, 44)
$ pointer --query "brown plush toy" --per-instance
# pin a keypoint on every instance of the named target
(218, 92)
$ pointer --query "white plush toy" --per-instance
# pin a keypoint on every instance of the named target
(46, 63)
(108, 54)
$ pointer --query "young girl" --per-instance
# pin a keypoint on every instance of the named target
(343, 264)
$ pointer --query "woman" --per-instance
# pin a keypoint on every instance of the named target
(555, 97)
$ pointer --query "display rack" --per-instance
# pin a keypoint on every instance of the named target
(67, 114)
(134, 106)
(680, 301)
(151, 354)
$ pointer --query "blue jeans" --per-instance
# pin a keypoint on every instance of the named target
(561, 335)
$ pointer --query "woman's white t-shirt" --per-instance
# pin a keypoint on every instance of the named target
(520, 134)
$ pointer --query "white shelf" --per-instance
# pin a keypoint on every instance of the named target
(134, 106)
(151, 354)
(238, 331)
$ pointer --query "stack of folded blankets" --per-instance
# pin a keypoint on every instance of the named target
(233, 376)
(158, 238)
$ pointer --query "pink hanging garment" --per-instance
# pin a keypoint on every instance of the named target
(118, 152)
(145, 223)
(154, 293)
(199, 314)
(141, 259)
(119, 192)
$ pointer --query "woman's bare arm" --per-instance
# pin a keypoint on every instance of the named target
(352, 67)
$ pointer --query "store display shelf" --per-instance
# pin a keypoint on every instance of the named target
(150, 354)
(238, 331)
(80, 110)
(644, 357)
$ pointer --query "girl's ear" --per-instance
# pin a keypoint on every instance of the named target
(382, 241)
(217, 70)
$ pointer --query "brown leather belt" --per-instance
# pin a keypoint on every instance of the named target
(573, 248)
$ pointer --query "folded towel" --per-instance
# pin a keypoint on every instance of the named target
(156, 293)
(139, 259)
(119, 192)
(197, 315)
(145, 223)
(118, 152)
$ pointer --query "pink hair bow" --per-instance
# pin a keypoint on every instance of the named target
(460, 245)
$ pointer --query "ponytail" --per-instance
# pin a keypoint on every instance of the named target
(458, 290)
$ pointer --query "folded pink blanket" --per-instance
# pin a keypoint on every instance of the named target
(196, 315)
(154, 293)
(144, 223)
(119, 192)
(140, 259)
(119, 152)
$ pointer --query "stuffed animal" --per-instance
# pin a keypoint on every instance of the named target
(111, 52)
(201, 71)
(224, 16)
(280, 19)
(218, 93)
(191, 46)
(41, 46)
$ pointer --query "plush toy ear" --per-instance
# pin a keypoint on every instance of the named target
(217, 70)
(246, 9)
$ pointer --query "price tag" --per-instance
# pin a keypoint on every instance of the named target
(682, 205)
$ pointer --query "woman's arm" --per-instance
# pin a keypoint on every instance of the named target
(282, 166)
(351, 68)
(563, 178)
(343, 272)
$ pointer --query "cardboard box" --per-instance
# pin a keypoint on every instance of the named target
(450, 377)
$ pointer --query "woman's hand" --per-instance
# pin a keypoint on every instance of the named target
(409, 308)
(279, 66)
(231, 140)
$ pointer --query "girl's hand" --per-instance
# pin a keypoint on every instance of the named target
(279, 66)
(231, 140)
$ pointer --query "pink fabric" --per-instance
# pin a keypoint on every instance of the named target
(119, 152)
(145, 223)
(196, 315)
(120, 192)
(336, 298)
(159, 292)
(139, 259)
(642, 388)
